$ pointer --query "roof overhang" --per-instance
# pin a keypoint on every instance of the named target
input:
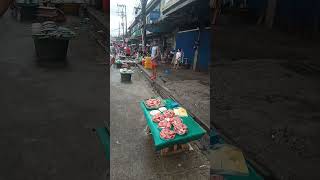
(151, 5)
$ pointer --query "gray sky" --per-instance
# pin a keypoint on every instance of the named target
(115, 19)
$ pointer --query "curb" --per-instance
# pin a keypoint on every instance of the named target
(164, 92)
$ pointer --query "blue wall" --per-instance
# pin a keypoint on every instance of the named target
(186, 41)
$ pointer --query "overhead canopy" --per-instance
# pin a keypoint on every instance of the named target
(188, 16)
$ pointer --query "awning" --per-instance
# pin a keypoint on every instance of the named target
(182, 16)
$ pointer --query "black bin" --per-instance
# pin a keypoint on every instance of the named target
(125, 77)
(51, 49)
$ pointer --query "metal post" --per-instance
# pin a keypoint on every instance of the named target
(196, 53)
(143, 16)
(125, 11)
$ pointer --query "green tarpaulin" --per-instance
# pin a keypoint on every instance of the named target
(195, 131)
(104, 137)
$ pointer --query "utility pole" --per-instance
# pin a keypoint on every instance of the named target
(119, 29)
(143, 16)
(123, 14)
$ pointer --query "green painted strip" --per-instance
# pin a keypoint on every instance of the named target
(104, 137)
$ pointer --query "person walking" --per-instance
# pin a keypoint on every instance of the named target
(177, 59)
(128, 51)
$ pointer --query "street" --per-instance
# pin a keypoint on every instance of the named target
(132, 152)
(48, 110)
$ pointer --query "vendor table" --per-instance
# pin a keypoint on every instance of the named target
(195, 131)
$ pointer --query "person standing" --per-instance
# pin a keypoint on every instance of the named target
(153, 50)
(155, 57)
(128, 51)
(177, 59)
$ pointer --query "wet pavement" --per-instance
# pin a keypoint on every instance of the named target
(48, 110)
(132, 150)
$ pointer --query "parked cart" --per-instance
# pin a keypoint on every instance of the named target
(178, 143)
(126, 74)
(51, 42)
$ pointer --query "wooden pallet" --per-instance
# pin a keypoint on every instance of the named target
(175, 149)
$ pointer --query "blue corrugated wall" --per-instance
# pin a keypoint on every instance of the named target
(185, 41)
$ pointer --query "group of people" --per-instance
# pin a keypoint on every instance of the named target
(154, 51)
(176, 60)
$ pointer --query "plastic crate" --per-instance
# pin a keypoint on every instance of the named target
(125, 77)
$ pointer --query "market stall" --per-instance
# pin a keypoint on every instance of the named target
(51, 41)
(170, 125)
(125, 62)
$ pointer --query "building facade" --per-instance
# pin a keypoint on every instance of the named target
(175, 24)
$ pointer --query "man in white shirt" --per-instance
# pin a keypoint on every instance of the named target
(154, 50)
(155, 57)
